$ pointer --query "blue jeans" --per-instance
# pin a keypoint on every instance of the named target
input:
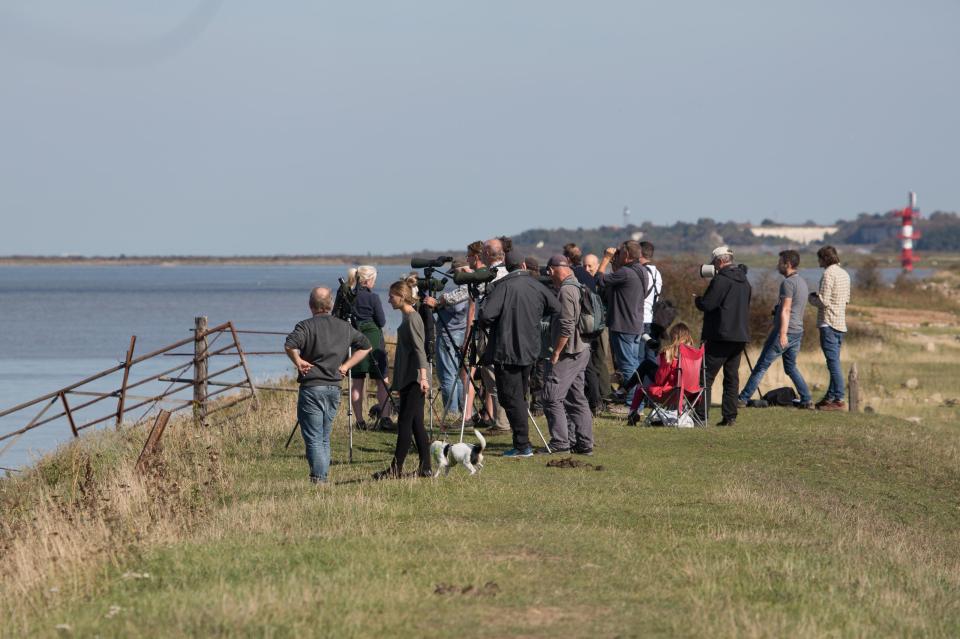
(830, 342)
(448, 359)
(625, 348)
(771, 351)
(316, 408)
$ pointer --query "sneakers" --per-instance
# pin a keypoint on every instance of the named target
(544, 451)
(515, 453)
(727, 422)
(805, 406)
(836, 404)
(741, 403)
(580, 450)
(618, 409)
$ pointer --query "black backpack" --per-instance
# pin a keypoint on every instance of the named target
(782, 396)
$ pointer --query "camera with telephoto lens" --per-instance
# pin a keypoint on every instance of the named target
(479, 276)
(436, 262)
(651, 342)
(707, 271)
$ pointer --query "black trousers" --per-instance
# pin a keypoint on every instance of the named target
(725, 355)
(410, 426)
(512, 386)
(597, 375)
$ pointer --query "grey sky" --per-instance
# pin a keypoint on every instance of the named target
(304, 127)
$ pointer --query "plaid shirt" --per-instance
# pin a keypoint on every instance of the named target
(834, 296)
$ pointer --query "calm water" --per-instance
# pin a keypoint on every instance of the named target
(61, 324)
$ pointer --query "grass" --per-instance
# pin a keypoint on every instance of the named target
(793, 523)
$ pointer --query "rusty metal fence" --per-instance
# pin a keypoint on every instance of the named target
(79, 407)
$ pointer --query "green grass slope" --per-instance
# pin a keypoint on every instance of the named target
(790, 524)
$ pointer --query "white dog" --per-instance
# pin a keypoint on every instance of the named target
(445, 456)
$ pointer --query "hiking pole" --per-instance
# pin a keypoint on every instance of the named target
(292, 433)
(539, 432)
(350, 407)
(431, 399)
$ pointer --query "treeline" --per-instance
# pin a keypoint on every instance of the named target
(938, 232)
(681, 237)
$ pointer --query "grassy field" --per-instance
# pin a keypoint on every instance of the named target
(790, 524)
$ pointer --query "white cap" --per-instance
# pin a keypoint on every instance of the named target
(720, 251)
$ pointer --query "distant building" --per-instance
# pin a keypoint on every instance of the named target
(798, 234)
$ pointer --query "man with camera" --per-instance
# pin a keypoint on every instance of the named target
(451, 311)
(512, 312)
(787, 333)
(319, 348)
(626, 290)
(726, 326)
(564, 402)
(831, 301)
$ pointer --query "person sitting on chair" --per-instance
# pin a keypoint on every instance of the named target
(665, 379)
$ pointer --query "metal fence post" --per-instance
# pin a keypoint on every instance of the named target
(200, 370)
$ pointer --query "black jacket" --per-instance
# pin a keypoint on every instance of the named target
(512, 311)
(726, 306)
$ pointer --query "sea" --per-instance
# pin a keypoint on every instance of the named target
(61, 324)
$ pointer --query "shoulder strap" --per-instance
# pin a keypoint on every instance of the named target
(653, 283)
(643, 278)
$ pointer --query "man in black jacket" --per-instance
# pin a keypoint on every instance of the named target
(512, 311)
(726, 329)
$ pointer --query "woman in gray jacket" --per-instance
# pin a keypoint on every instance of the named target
(411, 381)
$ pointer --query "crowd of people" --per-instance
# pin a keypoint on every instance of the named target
(516, 341)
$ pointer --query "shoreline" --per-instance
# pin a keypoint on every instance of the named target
(279, 260)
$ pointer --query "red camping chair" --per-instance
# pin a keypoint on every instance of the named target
(677, 388)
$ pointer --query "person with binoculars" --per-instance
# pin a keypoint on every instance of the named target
(626, 290)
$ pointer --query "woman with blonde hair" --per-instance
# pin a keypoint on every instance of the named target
(666, 378)
(411, 381)
(370, 320)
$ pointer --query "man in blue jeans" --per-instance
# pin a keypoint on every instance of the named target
(320, 348)
(625, 290)
(451, 311)
(831, 302)
(787, 333)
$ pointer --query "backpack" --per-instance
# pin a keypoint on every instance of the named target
(782, 396)
(593, 314)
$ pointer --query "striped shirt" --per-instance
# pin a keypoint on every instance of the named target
(834, 294)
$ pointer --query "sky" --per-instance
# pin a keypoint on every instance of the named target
(304, 127)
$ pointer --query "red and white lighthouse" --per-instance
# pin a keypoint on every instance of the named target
(908, 231)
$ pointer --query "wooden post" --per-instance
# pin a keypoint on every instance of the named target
(152, 445)
(200, 370)
(126, 376)
(853, 389)
(66, 409)
(243, 362)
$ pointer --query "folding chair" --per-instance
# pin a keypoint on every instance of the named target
(692, 381)
(677, 390)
